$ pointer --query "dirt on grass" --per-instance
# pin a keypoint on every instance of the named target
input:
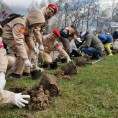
(81, 61)
(104, 54)
(38, 99)
(17, 89)
(69, 68)
(49, 82)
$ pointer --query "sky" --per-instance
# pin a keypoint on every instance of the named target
(20, 6)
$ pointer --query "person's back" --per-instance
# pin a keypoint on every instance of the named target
(105, 38)
(93, 41)
(92, 45)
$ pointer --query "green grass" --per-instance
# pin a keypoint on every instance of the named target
(92, 93)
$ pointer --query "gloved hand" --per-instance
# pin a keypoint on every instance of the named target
(36, 51)
(37, 45)
(2, 81)
(69, 60)
(19, 100)
(41, 47)
(28, 63)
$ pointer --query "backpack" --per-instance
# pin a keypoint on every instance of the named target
(9, 18)
(64, 33)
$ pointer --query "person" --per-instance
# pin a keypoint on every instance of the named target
(3, 62)
(115, 35)
(4, 14)
(6, 62)
(48, 12)
(17, 34)
(107, 40)
(50, 43)
(74, 48)
(7, 96)
(65, 34)
(92, 45)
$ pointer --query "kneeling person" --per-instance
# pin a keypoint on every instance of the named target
(92, 45)
(50, 43)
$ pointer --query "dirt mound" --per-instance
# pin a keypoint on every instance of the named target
(38, 99)
(59, 73)
(81, 61)
(49, 82)
(104, 54)
(70, 68)
(67, 77)
(87, 57)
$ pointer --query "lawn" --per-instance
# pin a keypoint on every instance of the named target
(92, 93)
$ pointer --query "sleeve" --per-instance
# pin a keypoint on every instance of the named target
(30, 40)
(3, 60)
(61, 50)
(45, 37)
(75, 37)
(38, 34)
(18, 34)
(43, 27)
(6, 97)
(87, 42)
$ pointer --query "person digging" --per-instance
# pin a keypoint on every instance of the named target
(50, 43)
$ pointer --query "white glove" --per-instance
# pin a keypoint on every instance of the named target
(28, 63)
(37, 45)
(68, 60)
(19, 100)
(41, 47)
(36, 51)
(2, 81)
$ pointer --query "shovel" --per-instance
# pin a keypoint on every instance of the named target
(101, 59)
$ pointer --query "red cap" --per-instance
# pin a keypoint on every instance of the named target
(54, 7)
(56, 32)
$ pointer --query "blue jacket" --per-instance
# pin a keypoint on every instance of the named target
(105, 38)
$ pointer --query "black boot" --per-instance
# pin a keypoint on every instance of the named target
(57, 59)
(25, 74)
(13, 75)
(95, 57)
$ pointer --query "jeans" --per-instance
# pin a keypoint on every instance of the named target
(91, 51)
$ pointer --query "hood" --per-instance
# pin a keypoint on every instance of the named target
(35, 16)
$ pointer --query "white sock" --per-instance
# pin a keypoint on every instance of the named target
(2, 81)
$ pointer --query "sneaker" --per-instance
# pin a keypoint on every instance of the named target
(13, 75)
(25, 74)
(111, 54)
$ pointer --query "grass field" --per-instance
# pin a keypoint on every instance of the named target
(92, 93)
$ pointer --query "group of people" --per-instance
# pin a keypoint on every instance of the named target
(24, 36)
(91, 44)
